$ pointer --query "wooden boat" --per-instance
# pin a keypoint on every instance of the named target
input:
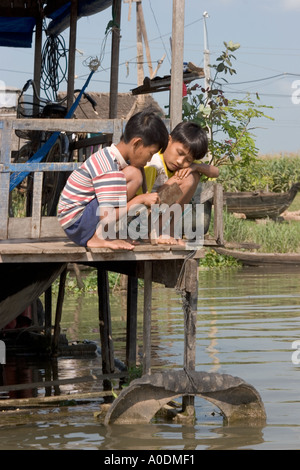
(21, 284)
(260, 204)
(249, 258)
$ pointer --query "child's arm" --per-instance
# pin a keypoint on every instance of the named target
(210, 171)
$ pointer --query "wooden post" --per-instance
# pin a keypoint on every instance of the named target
(58, 314)
(190, 321)
(218, 214)
(177, 63)
(140, 56)
(37, 204)
(140, 53)
(38, 57)
(72, 52)
(131, 335)
(115, 52)
(140, 19)
(107, 349)
(48, 315)
(5, 157)
(147, 317)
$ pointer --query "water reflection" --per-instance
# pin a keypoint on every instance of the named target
(247, 321)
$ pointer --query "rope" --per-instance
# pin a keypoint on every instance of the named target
(54, 60)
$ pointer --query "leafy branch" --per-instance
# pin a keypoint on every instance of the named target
(226, 121)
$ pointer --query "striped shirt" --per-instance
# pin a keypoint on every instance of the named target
(99, 176)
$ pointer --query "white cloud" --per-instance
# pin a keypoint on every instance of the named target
(291, 5)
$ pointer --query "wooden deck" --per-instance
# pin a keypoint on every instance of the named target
(65, 251)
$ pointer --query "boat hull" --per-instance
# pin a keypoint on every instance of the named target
(257, 205)
(249, 258)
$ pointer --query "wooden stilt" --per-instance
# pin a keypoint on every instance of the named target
(107, 349)
(48, 315)
(147, 317)
(58, 314)
(190, 321)
(131, 340)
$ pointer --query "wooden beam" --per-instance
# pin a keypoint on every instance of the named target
(115, 52)
(177, 62)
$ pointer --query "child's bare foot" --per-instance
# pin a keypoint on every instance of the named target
(117, 244)
(169, 241)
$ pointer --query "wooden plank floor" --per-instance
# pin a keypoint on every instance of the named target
(63, 250)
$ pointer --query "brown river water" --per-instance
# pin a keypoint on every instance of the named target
(248, 320)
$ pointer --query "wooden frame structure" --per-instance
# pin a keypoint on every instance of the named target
(37, 239)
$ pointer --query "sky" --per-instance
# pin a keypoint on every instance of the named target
(267, 62)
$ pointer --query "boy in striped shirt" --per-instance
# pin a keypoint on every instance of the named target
(108, 181)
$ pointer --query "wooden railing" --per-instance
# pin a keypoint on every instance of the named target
(37, 226)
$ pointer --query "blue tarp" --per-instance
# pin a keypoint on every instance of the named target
(61, 18)
(16, 32)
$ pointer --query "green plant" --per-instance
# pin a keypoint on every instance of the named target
(226, 121)
(213, 259)
(271, 236)
(275, 175)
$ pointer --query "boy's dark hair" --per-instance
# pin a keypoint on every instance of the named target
(192, 136)
(149, 127)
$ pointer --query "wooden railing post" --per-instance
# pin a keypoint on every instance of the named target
(218, 214)
(4, 177)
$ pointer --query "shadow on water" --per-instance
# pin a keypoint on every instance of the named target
(247, 321)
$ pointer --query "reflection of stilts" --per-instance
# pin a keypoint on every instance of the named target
(211, 349)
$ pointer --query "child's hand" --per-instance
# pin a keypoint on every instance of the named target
(150, 198)
(184, 172)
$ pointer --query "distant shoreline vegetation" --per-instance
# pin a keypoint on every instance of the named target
(274, 173)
